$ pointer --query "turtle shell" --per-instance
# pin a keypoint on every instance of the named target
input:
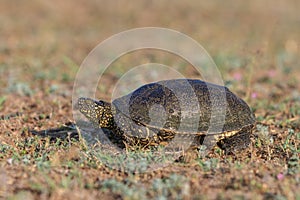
(181, 106)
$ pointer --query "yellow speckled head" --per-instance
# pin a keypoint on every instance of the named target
(98, 112)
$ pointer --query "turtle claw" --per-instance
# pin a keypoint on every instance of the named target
(189, 156)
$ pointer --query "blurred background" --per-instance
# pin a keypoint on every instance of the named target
(45, 42)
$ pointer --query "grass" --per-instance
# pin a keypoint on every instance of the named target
(256, 51)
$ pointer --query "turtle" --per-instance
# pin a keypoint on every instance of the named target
(177, 109)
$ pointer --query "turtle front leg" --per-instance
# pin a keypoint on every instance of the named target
(189, 155)
(200, 146)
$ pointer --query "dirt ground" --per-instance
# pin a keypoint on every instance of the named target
(255, 45)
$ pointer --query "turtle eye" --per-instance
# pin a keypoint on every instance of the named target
(171, 111)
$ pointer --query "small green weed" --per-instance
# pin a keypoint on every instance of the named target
(127, 190)
(173, 187)
(20, 88)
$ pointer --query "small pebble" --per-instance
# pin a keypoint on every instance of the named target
(10, 161)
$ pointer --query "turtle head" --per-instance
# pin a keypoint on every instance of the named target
(98, 112)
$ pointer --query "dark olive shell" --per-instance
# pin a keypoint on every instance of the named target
(184, 105)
